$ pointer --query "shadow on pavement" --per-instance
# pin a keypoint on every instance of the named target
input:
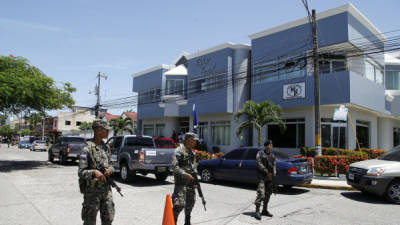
(17, 165)
(292, 191)
(142, 181)
(366, 198)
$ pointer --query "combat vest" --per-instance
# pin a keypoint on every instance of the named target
(96, 158)
(186, 159)
(268, 160)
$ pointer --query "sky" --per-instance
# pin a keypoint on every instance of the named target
(71, 41)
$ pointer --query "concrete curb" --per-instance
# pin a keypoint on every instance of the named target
(332, 187)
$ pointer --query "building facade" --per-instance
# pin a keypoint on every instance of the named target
(278, 67)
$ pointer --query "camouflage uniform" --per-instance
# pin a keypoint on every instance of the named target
(265, 164)
(96, 195)
(184, 195)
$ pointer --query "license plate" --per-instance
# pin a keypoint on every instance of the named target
(114, 158)
(161, 169)
(303, 169)
(351, 176)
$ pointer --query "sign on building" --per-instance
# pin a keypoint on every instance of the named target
(293, 91)
(340, 113)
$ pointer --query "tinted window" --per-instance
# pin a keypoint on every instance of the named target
(281, 155)
(132, 141)
(393, 155)
(147, 142)
(251, 154)
(73, 139)
(117, 142)
(236, 154)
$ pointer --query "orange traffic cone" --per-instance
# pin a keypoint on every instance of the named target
(168, 218)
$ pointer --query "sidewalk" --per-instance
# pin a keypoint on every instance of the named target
(336, 183)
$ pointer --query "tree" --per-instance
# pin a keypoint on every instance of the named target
(24, 132)
(3, 119)
(257, 116)
(6, 131)
(120, 125)
(85, 126)
(25, 88)
(33, 119)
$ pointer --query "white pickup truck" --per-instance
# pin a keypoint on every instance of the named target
(132, 154)
(378, 176)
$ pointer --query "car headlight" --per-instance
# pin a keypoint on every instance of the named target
(375, 171)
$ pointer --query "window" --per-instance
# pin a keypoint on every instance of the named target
(78, 123)
(391, 156)
(160, 130)
(148, 142)
(252, 153)
(198, 85)
(67, 123)
(292, 137)
(132, 141)
(149, 95)
(74, 139)
(148, 129)
(362, 129)
(203, 131)
(280, 69)
(373, 72)
(396, 136)
(330, 63)
(392, 80)
(174, 87)
(236, 154)
(117, 142)
(220, 133)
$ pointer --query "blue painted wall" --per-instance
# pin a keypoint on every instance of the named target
(334, 90)
(149, 111)
(149, 80)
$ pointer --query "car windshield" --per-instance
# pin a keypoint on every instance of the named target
(392, 155)
(74, 139)
(40, 142)
(147, 142)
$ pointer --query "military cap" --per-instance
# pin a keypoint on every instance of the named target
(99, 123)
(191, 135)
(268, 142)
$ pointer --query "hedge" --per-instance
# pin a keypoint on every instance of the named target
(202, 155)
(371, 153)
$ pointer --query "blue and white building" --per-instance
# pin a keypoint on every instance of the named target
(278, 67)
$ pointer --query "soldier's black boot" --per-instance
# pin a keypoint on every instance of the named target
(265, 212)
(257, 215)
(187, 219)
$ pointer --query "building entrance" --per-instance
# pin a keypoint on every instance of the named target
(333, 135)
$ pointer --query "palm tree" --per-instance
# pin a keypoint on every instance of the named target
(257, 116)
(120, 125)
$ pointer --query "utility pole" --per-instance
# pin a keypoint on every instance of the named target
(97, 107)
(316, 86)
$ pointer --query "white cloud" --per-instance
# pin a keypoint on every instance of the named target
(10, 23)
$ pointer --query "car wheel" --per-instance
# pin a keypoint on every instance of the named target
(51, 157)
(161, 176)
(287, 187)
(206, 175)
(125, 173)
(62, 158)
(393, 192)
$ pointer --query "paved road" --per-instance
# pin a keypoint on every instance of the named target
(33, 191)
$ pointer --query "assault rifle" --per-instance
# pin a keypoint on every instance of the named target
(196, 182)
(109, 180)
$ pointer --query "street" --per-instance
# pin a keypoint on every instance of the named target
(34, 191)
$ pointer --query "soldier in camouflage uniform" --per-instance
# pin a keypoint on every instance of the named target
(266, 170)
(184, 163)
(96, 192)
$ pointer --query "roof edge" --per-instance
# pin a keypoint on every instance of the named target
(217, 48)
(162, 66)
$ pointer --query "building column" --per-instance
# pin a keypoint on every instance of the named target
(385, 133)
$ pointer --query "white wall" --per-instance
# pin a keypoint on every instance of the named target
(83, 116)
(357, 114)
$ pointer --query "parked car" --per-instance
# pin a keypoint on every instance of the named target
(39, 145)
(132, 154)
(240, 165)
(24, 144)
(67, 147)
(378, 176)
(163, 142)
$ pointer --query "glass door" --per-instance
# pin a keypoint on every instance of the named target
(333, 135)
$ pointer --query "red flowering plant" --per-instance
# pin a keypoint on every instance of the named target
(202, 155)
